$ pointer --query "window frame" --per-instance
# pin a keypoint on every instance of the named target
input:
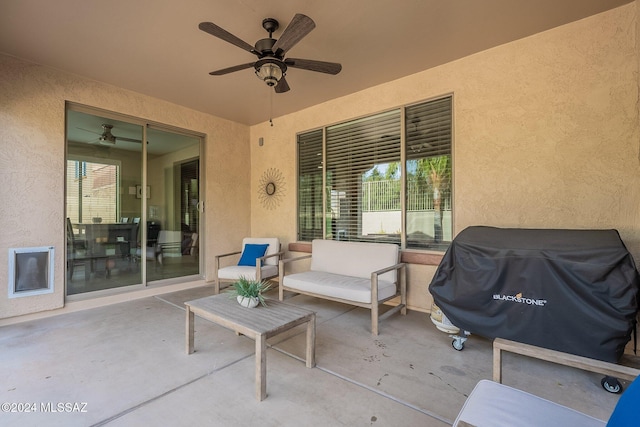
(435, 245)
(310, 207)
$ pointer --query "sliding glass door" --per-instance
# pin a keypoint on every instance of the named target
(173, 203)
(133, 209)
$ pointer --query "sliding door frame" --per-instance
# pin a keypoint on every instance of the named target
(147, 124)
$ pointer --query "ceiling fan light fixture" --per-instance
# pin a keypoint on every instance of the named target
(270, 70)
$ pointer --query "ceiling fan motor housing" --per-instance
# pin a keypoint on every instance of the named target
(107, 137)
(264, 46)
(270, 67)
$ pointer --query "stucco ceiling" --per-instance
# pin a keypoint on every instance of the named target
(155, 47)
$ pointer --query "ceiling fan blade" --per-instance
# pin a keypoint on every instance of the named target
(282, 86)
(231, 69)
(300, 26)
(311, 65)
(120, 138)
(214, 30)
(91, 131)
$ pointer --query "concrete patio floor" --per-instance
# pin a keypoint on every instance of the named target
(125, 365)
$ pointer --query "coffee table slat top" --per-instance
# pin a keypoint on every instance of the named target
(269, 320)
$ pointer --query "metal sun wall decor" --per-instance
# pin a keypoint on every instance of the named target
(271, 188)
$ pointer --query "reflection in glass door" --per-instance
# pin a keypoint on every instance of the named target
(173, 204)
(125, 228)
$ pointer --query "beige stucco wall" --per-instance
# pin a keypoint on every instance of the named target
(637, 15)
(546, 135)
(32, 153)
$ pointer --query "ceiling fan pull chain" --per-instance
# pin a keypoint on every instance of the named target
(271, 107)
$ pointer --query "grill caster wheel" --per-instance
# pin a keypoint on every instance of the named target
(458, 340)
(458, 344)
(611, 384)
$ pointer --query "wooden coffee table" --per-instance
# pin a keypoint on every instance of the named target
(258, 323)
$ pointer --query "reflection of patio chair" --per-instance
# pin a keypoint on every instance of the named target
(76, 252)
(73, 239)
(153, 230)
(169, 243)
(151, 248)
(79, 253)
(192, 247)
(176, 244)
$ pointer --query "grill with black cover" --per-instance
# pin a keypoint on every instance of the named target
(574, 291)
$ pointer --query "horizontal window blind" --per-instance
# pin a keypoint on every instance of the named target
(428, 165)
(92, 191)
(354, 149)
(310, 215)
(428, 128)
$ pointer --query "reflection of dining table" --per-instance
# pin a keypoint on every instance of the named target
(92, 260)
(103, 239)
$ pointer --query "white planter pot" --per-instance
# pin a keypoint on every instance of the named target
(247, 301)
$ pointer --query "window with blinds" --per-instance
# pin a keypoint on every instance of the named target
(428, 166)
(310, 215)
(359, 153)
(92, 191)
(371, 195)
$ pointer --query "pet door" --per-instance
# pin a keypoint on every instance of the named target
(30, 271)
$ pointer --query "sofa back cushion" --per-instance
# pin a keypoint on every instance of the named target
(274, 247)
(356, 259)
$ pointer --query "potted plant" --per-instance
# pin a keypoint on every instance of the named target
(248, 292)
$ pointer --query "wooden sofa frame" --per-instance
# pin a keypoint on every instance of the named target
(374, 307)
(566, 359)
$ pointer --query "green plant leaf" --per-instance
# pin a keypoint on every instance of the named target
(249, 288)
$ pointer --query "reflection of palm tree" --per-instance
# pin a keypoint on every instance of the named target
(438, 171)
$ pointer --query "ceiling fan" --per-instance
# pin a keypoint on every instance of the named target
(271, 66)
(108, 138)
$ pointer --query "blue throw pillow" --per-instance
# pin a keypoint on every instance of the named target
(625, 413)
(251, 252)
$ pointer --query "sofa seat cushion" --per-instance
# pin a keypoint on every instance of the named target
(338, 286)
(495, 404)
(234, 272)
